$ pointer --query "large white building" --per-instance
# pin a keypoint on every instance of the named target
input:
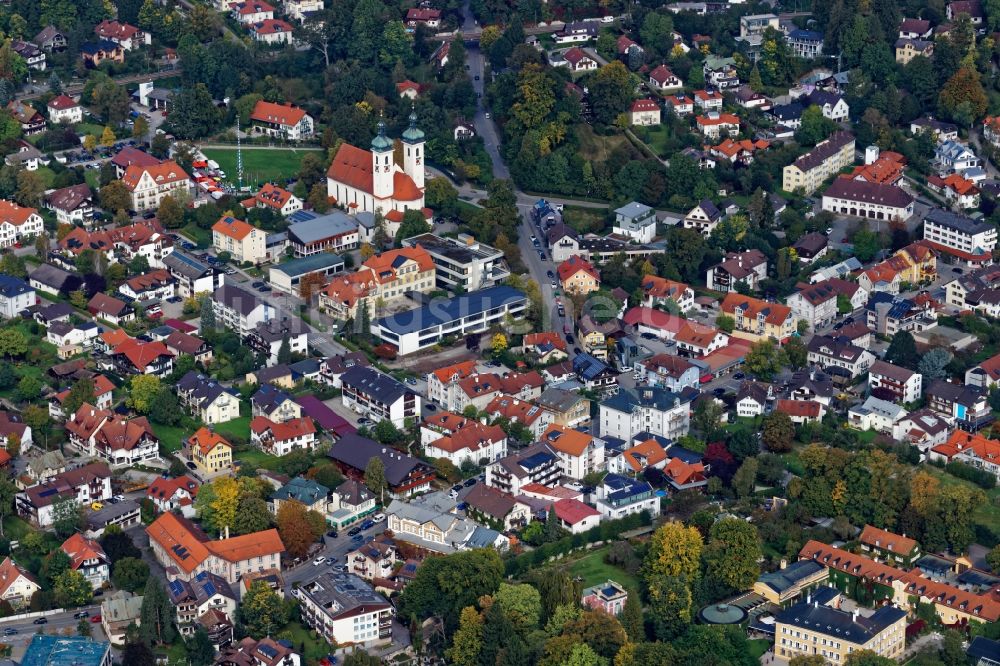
(874, 201)
(462, 262)
(968, 240)
(239, 310)
(378, 396)
(344, 609)
(370, 180)
(148, 185)
(647, 409)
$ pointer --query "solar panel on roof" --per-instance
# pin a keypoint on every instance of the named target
(176, 588)
(267, 651)
(209, 589)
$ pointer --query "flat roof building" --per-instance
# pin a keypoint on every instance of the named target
(47, 650)
(287, 276)
(463, 262)
(425, 327)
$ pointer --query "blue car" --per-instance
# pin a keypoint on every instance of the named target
(358, 537)
(368, 524)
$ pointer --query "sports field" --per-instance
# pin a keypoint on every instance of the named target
(259, 165)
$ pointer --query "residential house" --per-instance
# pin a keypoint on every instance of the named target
(619, 496)
(747, 268)
(252, 11)
(578, 276)
(210, 452)
(64, 109)
(50, 39)
(134, 357)
(738, 152)
(283, 437)
(309, 493)
(268, 337)
(668, 371)
(112, 437)
(714, 125)
(462, 263)
(907, 49)
(894, 549)
(660, 291)
(704, 217)
(580, 453)
(965, 405)
(637, 458)
(496, 508)
(594, 373)
(272, 31)
(239, 310)
(535, 464)
(179, 544)
(86, 484)
(244, 242)
(18, 223)
(579, 61)
(428, 17)
(708, 100)
(972, 8)
(756, 319)
(127, 36)
(954, 157)
(30, 120)
(173, 494)
(883, 633)
(915, 29)
(373, 560)
(17, 585)
(787, 115)
(837, 355)
(205, 595)
(891, 382)
(149, 185)
(875, 414)
(206, 399)
(664, 80)
(274, 404)
(157, 284)
(646, 409)
(971, 449)
(801, 411)
(575, 516)
(959, 191)
(753, 398)
(806, 44)
(265, 652)
(888, 315)
(404, 474)
(923, 429)
(459, 439)
(939, 130)
(378, 396)
(635, 220)
(545, 347)
(809, 171)
(680, 104)
(343, 609)
(644, 113)
(284, 121)
(568, 408)
(349, 502)
(524, 412)
(388, 276)
(698, 340)
(16, 296)
(193, 275)
(815, 304)
(831, 104)
(95, 53)
(272, 197)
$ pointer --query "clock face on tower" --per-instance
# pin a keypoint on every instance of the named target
(418, 160)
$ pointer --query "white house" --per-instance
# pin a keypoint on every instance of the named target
(815, 304)
(272, 31)
(16, 296)
(378, 396)
(580, 453)
(619, 496)
(285, 121)
(875, 414)
(636, 220)
(64, 109)
(459, 439)
(239, 310)
(829, 352)
(647, 409)
(644, 112)
(17, 223)
(891, 382)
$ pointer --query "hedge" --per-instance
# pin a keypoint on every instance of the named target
(605, 531)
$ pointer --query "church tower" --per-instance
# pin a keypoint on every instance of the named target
(413, 152)
(382, 166)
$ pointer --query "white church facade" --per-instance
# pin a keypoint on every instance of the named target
(371, 181)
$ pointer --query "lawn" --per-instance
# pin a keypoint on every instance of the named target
(306, 642)
(239, 427)
(171, 438)
(658, 139)
(255, 458)
(596, 148)
(585, 220)
(758, 647)
(259, 165)
(201, 237)
(593, 570)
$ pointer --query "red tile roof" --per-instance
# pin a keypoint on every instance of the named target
(573, 511)
(62, 102)
(16, 215)
(280, 114)
(574, 265)
(456, 371)
(799, 408)
(235, 229)
(271, 27)
(205, 440)
(885, 540)
(641, 105)
(162, 174)
(654, 319)
(10, 571)
(774, 313)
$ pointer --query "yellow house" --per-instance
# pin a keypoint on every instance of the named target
(578, 276)
(210, 452)
(383, 277)
(908, 49)
(245, 242)
(815, 629)
(917, 263)
(758, 320)
(594, 336)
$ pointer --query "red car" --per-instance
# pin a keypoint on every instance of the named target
(95, 619)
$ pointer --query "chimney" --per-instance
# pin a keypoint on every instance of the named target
(783, 564)
(226, 532)
(854, 615)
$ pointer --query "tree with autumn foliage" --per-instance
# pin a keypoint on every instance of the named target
(297, 530)
(309, 285)
(962, 98)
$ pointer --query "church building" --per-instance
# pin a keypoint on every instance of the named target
(371, 181)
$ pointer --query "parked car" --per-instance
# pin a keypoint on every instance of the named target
(77, 616)
(378, 517)
(470, 482)
(9, 631)
(95, 619)
(318, 561)
(569, 338)
(333, 534)
(41, 620)
(368, 524)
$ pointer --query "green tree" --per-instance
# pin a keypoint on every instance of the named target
(130, 574)
(870, 658)
(745, 478)
(207, 315)
(200, 651)
(669, 605)
(632, 620)
(165, 408)
(156, 616)
(67, 517)
(13, 343)
(796, 352)
(7, 493)
(521, 604)
(170, 213)
(933, 364)
(764, 359)
(72, 589)
(262, 610)
(285, 350)
(993, 558)
(194, 114)
(815, 127)
(611, 91)
(866, 245)
(29, 388)
(414, 224)
(725, 323)
(441, 196)
(902, 351)
(732, 553)
(777, 432)
(443, 586)
(252, 515)
(375, 477)
(138, 653)
(115, 196)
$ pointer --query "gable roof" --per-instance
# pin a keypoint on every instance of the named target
(162, 173)
(566, 440)
(773, 313)
(885, 540)
(205, 440)
(233, 228)
(286, 114)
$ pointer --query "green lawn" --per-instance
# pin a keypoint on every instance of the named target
(585, 220)
(200, 237)
(236, 428)
(758, 647)
(258, 165)
(254, 458)
(171, 438)
(593, 570)
(83, 129)
(315, 648)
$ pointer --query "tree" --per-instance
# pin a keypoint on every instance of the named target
(13, 343)
(443, 586)
(763, 359)
(89, 143)
(140, 128)
(993, 558)
(414, 224)
(611, 91)
(521, 605)
(669, 606)
(745, 478)
(285, 350)
(902, 351)
(385, 432)
(72, 589)
(870, 658)
(932, 364)
(498, 343)
(130, 574)
(30, 188)
(725, 323)
(674, 550)
(631, 619)
(707, 416)
(796, 352)
(12, 66)
(755, 82)
(115, 196)
(38, 418)
(262, 610)
(67, 516)
(963, 97)
(296, 531)
(7, 493)
(28, 388)
(143, 389)
(807, 660)
(375, 477)
(200, 651)
(252, 515)
(138, 653)
(777, 432)
(815, 127)
(866, 244)
(207, 315)
(108, 137)
(156, 616)
(441, 196)
(224, 502)
(732, 553)
(194, 114)
(118, 546)
(165, 408)
(170, 213)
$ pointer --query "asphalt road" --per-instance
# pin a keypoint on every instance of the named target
(485, 127)
(58, 623)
